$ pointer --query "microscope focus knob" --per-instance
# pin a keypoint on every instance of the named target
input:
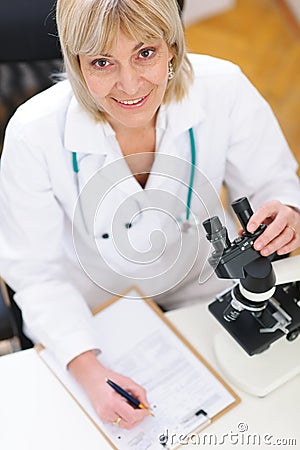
(292, 335)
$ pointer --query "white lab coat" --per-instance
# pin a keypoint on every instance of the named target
(58, 280)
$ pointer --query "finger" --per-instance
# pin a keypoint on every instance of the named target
(130, 415)
(240, 231)
(117, 421)
(276, 228)
(262, 214)
(120, 422)
(279, 242)
(291, 246)
(129, 425)
(287, 248)
(107, 408)
(108, 414)
(138, 391)
(109, 417)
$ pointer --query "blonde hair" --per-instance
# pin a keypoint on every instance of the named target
(91, 27)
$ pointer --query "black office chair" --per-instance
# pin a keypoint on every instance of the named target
(29, 55)
(180, 5)
(8, 325)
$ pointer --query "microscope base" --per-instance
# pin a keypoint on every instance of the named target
(259, 374)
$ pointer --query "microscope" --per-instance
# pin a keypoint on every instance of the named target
(262, 306)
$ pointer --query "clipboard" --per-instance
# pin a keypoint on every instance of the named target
(179, 412)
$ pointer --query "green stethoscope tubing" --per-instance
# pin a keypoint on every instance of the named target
(192, 173)
(75, 162)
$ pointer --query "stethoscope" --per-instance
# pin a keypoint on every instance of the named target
(185, 223)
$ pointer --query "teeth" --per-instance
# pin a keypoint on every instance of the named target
(131, 102)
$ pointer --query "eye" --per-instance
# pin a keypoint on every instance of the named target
(146, 53)
(100, 63)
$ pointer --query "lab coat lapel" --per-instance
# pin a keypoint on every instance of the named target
(96, 149)
(82, 133)
(171, 170)
(172, 164)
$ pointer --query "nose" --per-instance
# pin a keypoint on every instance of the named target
(129, 79)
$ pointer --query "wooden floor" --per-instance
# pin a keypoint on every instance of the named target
(261, 38)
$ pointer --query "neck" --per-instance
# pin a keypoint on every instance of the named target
(124, 130)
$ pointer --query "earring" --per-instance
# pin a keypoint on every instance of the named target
(171, 72)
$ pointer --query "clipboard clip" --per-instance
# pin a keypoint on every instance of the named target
(189, 421)
(190, 418)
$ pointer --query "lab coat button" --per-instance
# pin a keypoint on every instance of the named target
(105, 236)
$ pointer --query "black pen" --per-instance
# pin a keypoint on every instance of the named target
(134, 401)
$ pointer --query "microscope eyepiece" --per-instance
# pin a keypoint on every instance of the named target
(212, 225)
(229, 259)
(217, 234)
(243, 211)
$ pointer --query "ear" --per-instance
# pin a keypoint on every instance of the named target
(171, 54)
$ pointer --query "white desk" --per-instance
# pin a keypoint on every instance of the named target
(36, 413)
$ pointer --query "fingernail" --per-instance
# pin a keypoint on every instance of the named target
(258, 245)
(251, 228)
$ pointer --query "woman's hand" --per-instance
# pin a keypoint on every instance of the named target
(108, 404)
(283, 232)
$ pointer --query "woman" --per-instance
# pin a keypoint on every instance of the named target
(121, 132)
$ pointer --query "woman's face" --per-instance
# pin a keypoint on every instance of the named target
(129, 83)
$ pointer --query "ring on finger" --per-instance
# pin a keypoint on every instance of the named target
(117, 421)
(293, 230)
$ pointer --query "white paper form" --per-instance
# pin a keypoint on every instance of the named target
(136, 342)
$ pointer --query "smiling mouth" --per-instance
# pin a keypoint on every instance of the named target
(131, 102)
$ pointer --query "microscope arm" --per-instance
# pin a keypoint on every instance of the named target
(287, 270)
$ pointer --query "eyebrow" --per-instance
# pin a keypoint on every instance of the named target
(138, 46)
